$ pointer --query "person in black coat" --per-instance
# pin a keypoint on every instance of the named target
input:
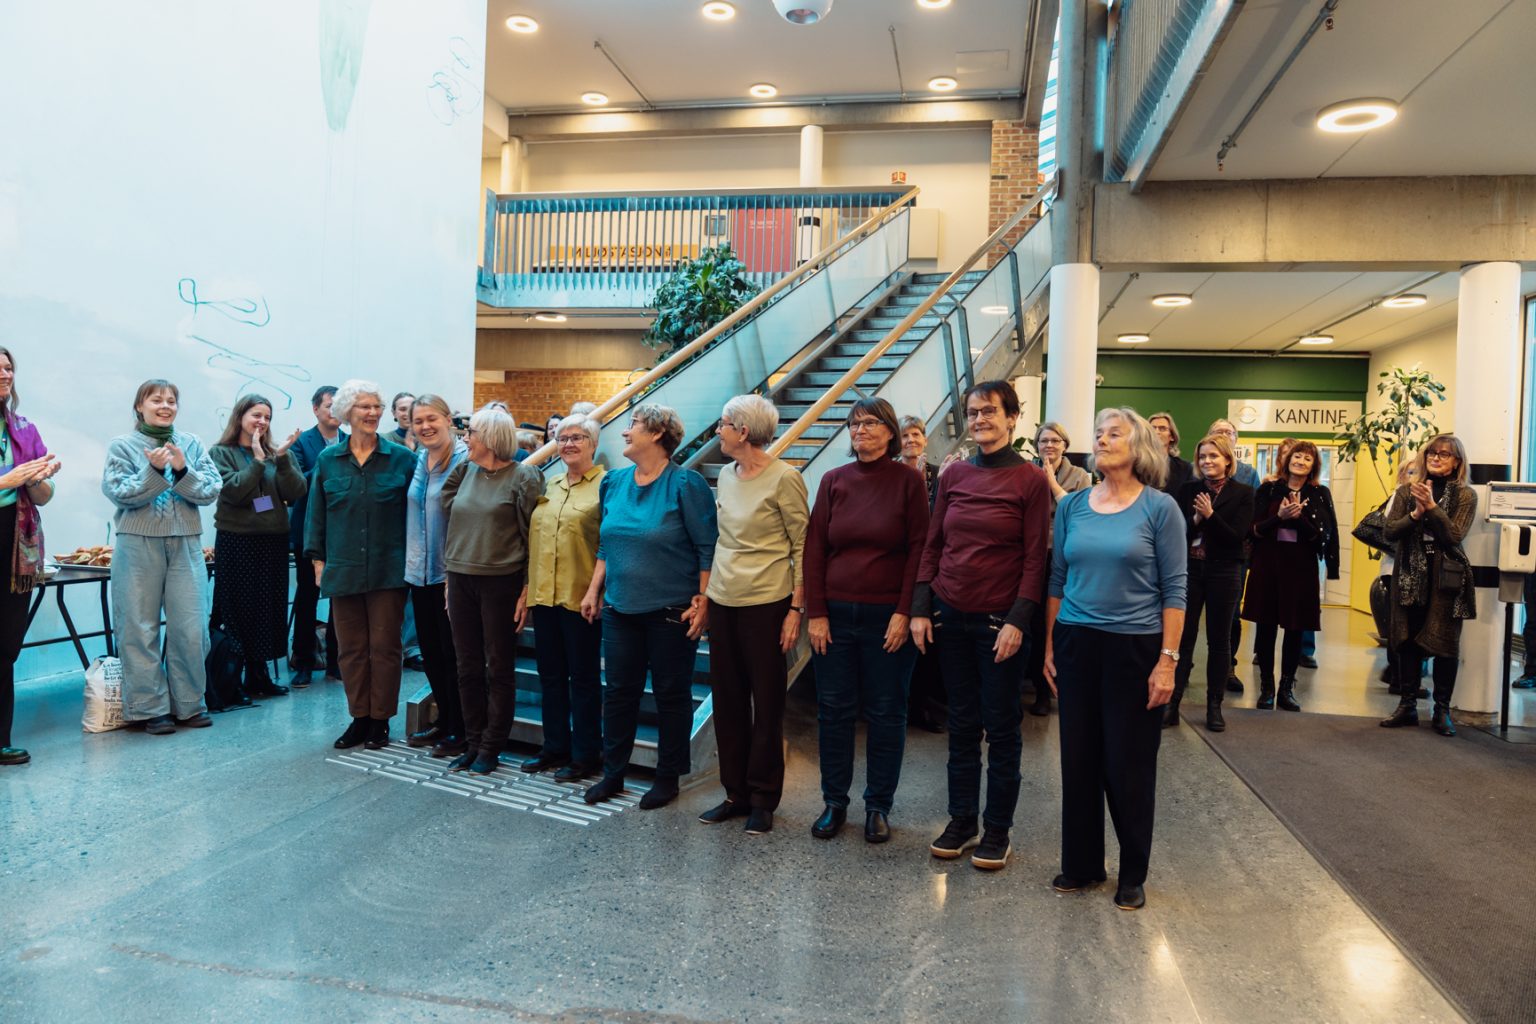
(1180, 472)
(1218, 512)
(306, 592)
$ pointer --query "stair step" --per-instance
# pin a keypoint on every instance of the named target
(826, 379)
(935, 279)
(857, 348)
(845, 363)
(886, 324)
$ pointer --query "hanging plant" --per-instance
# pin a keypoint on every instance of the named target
(1400, 428)
(699, 294)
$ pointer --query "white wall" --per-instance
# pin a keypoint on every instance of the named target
(1435, 352)
(237, 197)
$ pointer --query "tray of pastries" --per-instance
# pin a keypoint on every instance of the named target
(98, 558)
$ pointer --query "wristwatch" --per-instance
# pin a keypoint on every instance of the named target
(793, 608)
(1171, 653)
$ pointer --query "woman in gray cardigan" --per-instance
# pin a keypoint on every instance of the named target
(159, 477)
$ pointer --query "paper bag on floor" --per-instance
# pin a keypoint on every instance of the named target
(103, 696)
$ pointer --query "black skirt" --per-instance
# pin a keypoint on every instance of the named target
(250, 592)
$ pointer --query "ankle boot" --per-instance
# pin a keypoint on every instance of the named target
(1171, 711)
(1213, 720)
(1287, 698)
(1406, 714)
(1441, 719)
(1266, 689)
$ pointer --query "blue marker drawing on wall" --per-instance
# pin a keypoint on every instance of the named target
(252, 372)
(453, 93)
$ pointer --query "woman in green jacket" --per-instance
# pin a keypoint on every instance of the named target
(355, 534)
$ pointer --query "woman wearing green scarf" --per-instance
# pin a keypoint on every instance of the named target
(159, 477)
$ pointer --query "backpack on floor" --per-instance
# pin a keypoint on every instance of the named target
(224, 666)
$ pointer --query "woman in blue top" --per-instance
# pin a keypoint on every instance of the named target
(654, 552)
(1114, 616)
(426, 526)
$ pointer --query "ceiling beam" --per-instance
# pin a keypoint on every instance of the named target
(758, 120)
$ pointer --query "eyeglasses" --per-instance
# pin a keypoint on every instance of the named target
(727, 423)
(1050, 442)
(986, 412)
(1439, 453)
(857, 425)
(572, 439)
(471, 432)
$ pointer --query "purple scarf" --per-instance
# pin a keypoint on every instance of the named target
(27, 553)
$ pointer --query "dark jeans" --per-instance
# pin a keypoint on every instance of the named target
(1410, 661)
(1528, 633)
(435, 635)
(1214, 587)
(983, 700)
(856, 671)
(1109, 742)
(482, 610)
(632, 644)
(748, 678)
(13, 629)
(306, 597)
(1264, 649)
(569, 651)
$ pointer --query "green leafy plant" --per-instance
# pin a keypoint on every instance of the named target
(1403, 426)
(698, 295)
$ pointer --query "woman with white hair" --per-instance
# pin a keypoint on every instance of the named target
(1114, 618)
(562, 557)
(489, 500)
(757, 603)
(355, 534)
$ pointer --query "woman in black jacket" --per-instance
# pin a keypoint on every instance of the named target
(1218, 512)
(1292, 529)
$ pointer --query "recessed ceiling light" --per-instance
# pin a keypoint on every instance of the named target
(1404, 301)
(522, 23)
(594, 99)
(933, 5)
(1317, 339)
(1356, 115)
(1134, 339)
(1171, 301)
(550, 318)
(763, 91)
(995, 310)
(719, 10)
(943, 83)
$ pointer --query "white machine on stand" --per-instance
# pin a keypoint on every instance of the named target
(1512, 507)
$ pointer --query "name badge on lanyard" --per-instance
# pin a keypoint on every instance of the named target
(262, 504)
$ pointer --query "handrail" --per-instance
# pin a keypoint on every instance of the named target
(836, 391)
(742, 313)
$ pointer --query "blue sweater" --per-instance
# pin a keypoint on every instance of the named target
(158, 502)
(656, 539)
(1117, 571)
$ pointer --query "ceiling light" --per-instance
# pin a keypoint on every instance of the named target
(1317, 339)
(522, 23)
(933, 5)
(594, 99)
(1134, 339)
(943, 83)
(995, 310)
(1404, 301)
(550, 318)
(1171, 301)
(803, 12)
(719, 10)
(1356, 115)
(763, 91)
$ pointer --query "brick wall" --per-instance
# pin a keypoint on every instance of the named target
(532, 395)
(1015, 176)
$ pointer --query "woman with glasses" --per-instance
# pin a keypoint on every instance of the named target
(1063, 478)
(1432, 589)
(756, 604)
(861, 557)
(981, 577)
(561, 558)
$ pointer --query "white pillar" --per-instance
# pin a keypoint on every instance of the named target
(511, 166)
(1488, 374)
(1072, 350)
(808, 231)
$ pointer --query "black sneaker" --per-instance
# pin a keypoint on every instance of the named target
(1066, 883)
(994, 850)
(1130, 897)
(759, 822)
(959, 835)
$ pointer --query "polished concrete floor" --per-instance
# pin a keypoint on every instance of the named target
(234, 874)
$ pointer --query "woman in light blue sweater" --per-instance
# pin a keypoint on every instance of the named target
(159, 477)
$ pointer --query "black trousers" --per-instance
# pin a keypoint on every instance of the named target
(482, 610)
(1410, 662)
(1109, 743)
(748, 677)
(1264, 649)
(1237, 618)
(306, 598)
(13, 627)
(435, 635)
(1214, 587)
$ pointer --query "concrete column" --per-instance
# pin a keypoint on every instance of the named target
(1079, 156)
(511, 166)
(1072, 351)
(808, 231)
(1488, 374)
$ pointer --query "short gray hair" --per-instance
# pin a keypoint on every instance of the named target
(756, 415)
(913, 423)
(348, 394)
(1055, 428)
(583, 408)
(660, 419)
(1149, 456)
(587, 424)
(496, 430)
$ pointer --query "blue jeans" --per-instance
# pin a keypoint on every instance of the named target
(632, 644)
(857, 670)
(150, 574)
(983, 699)
(569, 653)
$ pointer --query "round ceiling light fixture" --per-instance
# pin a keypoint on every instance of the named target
(1171, 301)
(1134, 339)
(933, 5)
(522, 23)
(943, 83)
(718, 10)
(1316, 339)
(594, 99)
(1405, 301)
(1357, 115)
(549, 318)
(803, 12)
(763, 91)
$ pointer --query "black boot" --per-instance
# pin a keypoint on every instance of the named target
(1287, 700)
(1266, 689)
(1171, 710)
(356, 733)
(1441, 719)
(1406, 714)
(1213, 720)
(1042, 705)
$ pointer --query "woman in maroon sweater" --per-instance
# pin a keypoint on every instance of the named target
(861, 552)
(980, 580)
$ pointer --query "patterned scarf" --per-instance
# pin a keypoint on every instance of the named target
(27, 551)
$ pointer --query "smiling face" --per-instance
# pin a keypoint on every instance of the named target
(913, 443)
(365, 414)
(7, 377)
(1213, 464)
(402, 411)
(257, 420)
(870, 437)
(733, 437)
(1300, 463)
(575, 447)
(431, 428)
(158, 408)
(640, 441)
(991, 428)
(1050, 445)
(1440, 460)
(326, 420)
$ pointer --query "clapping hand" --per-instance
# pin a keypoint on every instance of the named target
(178, 457)
(257, 452)
(288, 443)
(28, 473)
(159, 457)
(1203, 507)
(1291, 506)
(1423, 495)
